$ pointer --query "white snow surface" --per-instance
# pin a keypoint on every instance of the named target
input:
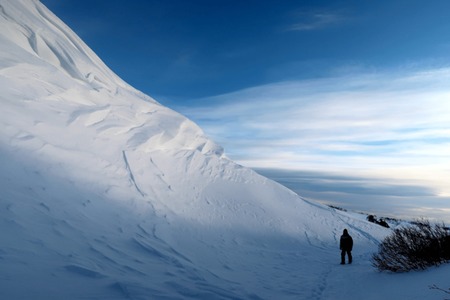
(107, 194)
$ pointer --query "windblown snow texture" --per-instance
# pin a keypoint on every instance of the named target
(106, 194)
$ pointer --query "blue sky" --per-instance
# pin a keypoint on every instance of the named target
(194, 49)
(355, 88)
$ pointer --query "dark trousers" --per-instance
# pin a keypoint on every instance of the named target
(349, 254)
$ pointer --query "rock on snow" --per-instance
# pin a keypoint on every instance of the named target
(107, 194)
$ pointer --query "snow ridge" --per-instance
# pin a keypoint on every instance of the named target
(107, 194)
(127, 165)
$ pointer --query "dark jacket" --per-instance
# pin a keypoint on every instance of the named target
(346, 242)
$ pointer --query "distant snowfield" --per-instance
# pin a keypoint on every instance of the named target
(106, 194)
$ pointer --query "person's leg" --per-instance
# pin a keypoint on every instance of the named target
(350, 258)
(342, 257)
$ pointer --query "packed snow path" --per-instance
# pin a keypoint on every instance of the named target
(106, 194)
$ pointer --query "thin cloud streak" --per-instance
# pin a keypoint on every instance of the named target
(396, 124)
(316, 21)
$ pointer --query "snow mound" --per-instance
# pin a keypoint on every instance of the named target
(107, 194)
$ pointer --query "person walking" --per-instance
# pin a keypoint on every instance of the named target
(346, 246)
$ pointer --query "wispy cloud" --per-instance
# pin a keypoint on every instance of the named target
(307, 21)
(384, 124)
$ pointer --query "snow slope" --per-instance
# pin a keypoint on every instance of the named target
(106, 194)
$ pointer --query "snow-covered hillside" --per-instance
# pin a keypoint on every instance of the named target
(106, 194)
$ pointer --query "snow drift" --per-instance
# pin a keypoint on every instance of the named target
(107, 194)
